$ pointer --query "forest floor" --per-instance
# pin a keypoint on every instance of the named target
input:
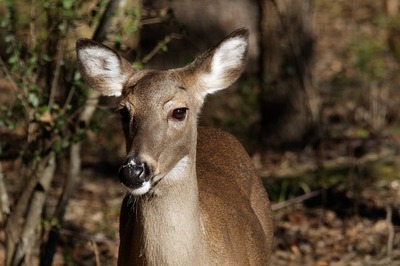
(351, 220)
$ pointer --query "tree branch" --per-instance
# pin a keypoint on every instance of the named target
(4, 204)
(35, 210)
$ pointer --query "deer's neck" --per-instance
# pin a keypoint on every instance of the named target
(172, 230)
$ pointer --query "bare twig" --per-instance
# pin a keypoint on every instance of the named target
(32, 24)
(96, 253)
(54, 84)
(160, 46)
(69, 98)
(389, 213)
(297, 200)
(4, 204)
(150, 21)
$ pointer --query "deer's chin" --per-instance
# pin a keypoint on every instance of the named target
(143, 189)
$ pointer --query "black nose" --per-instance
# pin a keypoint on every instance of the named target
(133, 173)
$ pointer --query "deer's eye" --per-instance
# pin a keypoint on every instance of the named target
(125, 115)
(179, 114)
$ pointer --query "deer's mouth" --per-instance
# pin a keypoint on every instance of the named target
(140, 189)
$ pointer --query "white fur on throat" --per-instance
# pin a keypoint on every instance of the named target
(175, 174)
(179, 169)
(229, 55)
(103, 64)
(146, 186)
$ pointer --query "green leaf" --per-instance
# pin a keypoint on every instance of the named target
(67, 4)
(46, 58)
(362, 133)
(33, 99)
(43, 109)
(13, 59)
(137, 65)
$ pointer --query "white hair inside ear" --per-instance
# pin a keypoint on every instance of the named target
(103, 64)
(228, 56)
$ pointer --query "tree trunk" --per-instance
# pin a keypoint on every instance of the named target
(289, 103)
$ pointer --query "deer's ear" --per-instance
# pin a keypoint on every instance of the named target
(222, 65)
(102, 68)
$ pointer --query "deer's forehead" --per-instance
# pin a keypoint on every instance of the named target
(155, 89)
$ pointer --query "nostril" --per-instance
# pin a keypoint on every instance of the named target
(133, 174)
(137, 170)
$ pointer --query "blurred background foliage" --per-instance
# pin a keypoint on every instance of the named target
(317, 107)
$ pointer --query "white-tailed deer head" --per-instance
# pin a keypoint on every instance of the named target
(159, 109)
(170, 180)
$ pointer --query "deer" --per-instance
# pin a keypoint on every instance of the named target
(192, 193)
